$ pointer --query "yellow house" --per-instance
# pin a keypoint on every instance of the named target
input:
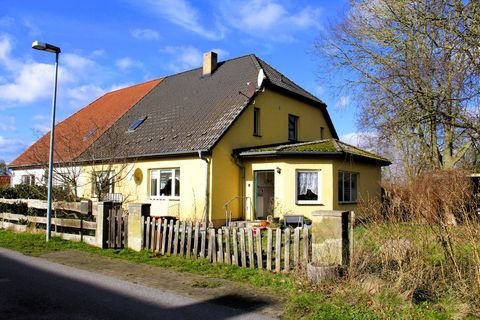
(232, 140)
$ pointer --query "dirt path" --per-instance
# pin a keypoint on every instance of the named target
(183, 283)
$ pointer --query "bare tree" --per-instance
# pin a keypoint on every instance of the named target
(415, 66)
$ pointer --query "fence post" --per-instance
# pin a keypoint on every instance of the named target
(101, 233)
(135, 226)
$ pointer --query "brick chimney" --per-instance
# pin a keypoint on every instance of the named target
(209, 63)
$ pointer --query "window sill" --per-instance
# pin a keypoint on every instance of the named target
(257, 135)
(165, 198)
(309, 203)
(347, 202)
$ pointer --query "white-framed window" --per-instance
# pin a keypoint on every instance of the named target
(104, 183)
(165, 183)
(347, 187)
(28, 179)
(308, 186)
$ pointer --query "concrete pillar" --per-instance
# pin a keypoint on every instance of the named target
(101, 233)
(331, 237)
(135, 228)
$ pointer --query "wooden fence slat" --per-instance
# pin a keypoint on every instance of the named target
(269, 248)
(296, 247)
(152, 234)
(278, 249)
(170, 237)
(125, 230)
(204, 243)
(258, 236)
(287, 250)
(250, 248)
(147, 233)
(305, 246)
(189, 240)
(164, 236)
(243, 247)
(228, 256)
(119, 218)
(175, 241)
(220, 255)
(159, 235)
(235, 247)
(182, 238)
(195, 239)
(142, 238)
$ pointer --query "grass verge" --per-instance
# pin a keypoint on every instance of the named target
(302, 300)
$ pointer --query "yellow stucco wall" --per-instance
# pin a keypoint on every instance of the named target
(274, 111)
(369, 178)
(285, 183)
(190, 204)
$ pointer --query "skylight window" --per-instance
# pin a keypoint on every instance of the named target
(89, 134)
(136, 124)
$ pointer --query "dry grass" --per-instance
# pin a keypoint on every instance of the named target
(420, 248)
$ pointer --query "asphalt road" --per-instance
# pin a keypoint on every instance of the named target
(33, 288)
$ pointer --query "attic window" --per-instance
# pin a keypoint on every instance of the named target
(136, 124)
(89, 134)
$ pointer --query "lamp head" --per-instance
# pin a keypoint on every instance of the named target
(45, 47)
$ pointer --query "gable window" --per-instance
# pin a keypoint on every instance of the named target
(28, 179)
(308, 186)
(164, 183)
(292, 127)
(256, 122)
(347, 187)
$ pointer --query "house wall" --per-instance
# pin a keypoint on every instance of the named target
(285, 184)
(369, 178)
(227, 182)
(189, 205)
(18, 173)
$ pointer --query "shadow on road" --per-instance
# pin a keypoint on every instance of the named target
(32, 288)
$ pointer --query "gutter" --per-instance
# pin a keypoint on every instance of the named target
(207, 187)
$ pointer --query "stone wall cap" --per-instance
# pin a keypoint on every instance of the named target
(328, 213)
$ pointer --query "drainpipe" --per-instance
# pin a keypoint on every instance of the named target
(207, 194)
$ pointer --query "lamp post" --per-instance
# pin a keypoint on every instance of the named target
(54, 49)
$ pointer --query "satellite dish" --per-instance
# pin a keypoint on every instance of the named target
(138, 176)
(261, 76)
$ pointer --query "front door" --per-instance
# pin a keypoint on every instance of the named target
(264, 193)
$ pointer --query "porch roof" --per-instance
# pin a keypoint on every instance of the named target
(317, 148)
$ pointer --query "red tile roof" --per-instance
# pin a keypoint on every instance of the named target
(76, 133)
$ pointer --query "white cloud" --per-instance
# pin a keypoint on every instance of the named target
(184, 58)
(11, 148)
(145, 34)
(364, 140)
(183, 14)
(343, 102)
(80, 96)
(127, 63)
(268, 18)
(41, 125)
(7, 123)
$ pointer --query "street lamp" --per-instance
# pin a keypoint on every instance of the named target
(54, 49)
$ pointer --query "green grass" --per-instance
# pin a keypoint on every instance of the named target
(302, 301)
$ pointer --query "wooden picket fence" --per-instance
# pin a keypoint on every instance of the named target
(267, 248)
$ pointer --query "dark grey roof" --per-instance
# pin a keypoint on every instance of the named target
(188, 112)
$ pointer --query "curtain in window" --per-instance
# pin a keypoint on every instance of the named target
(307, 183)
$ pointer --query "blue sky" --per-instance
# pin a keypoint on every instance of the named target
(111, 44)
